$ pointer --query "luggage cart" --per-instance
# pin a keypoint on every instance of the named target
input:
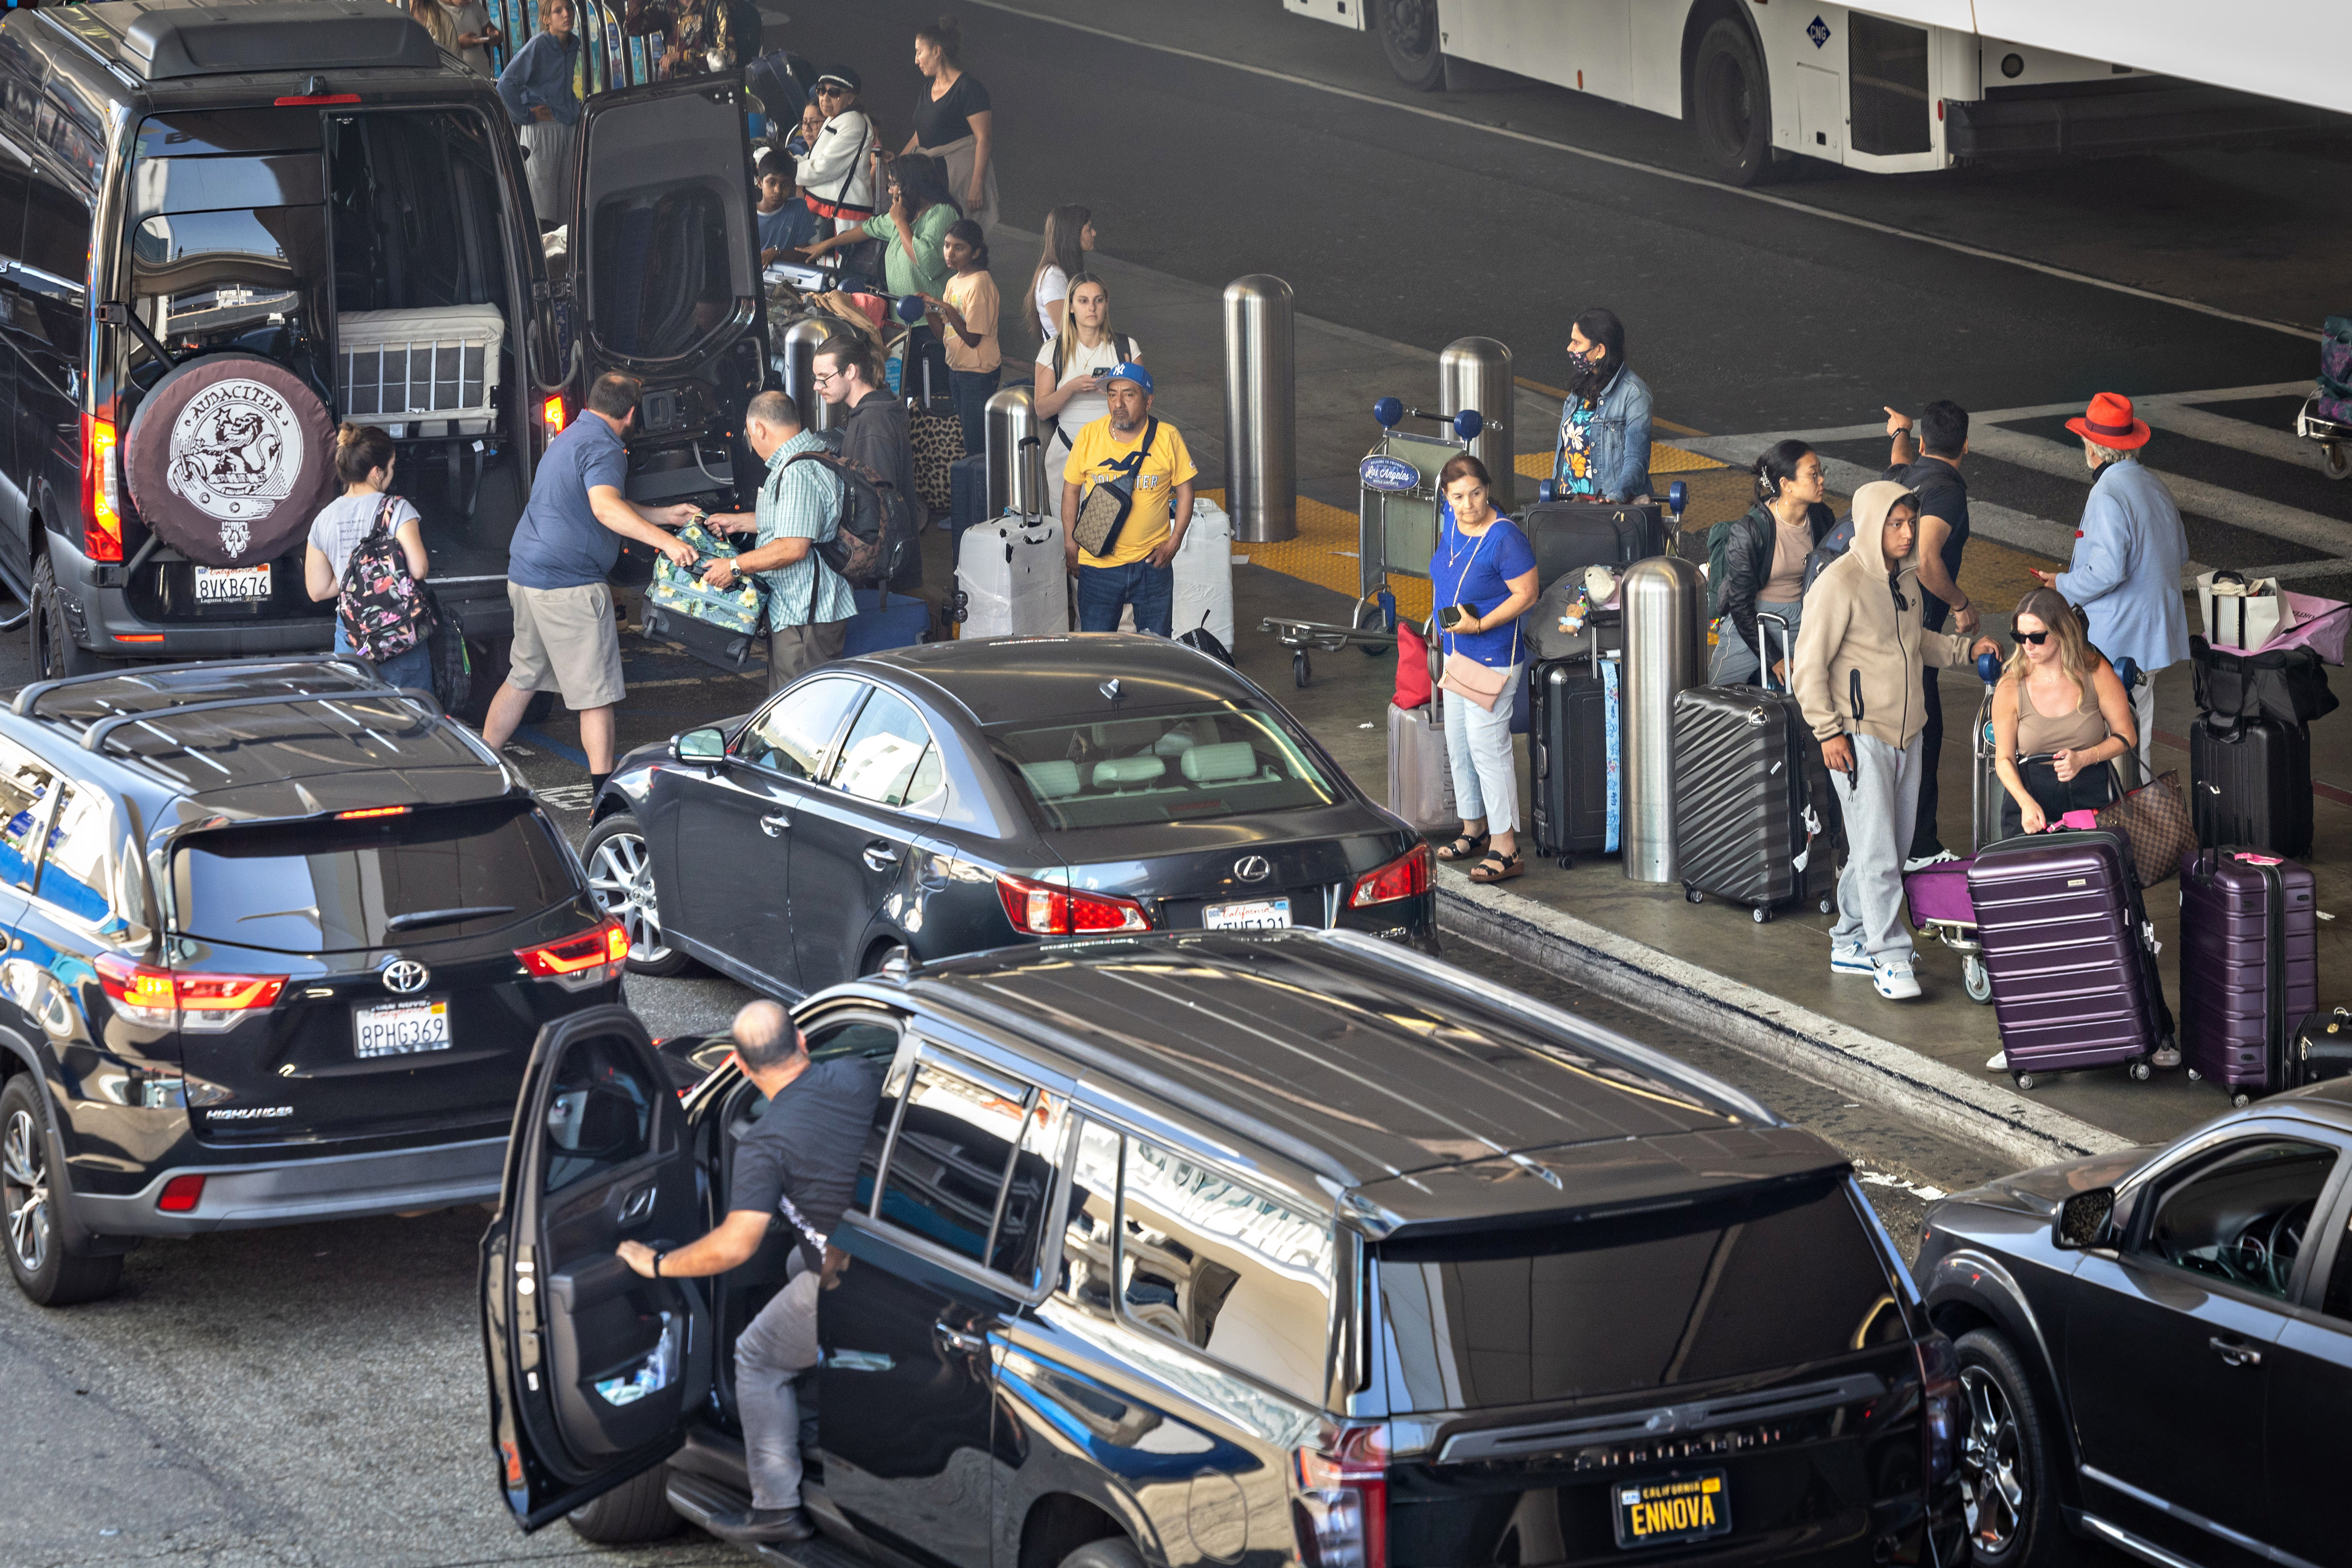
(1396, 531)
(2334, 436)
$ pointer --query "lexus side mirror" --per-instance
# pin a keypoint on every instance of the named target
(2082, 1220)
(699, 746)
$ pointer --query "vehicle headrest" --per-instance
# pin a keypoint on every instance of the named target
(1220, 764)
(1051, 780)
(1119, 770)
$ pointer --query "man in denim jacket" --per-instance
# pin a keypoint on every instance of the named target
(1603, 452)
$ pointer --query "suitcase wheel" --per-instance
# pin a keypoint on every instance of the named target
(1761, 914)
(2140, 1069)
(1567, 862)
(2024, 1080)
(1693, 894)
(2240, 1099)
(1977, 979)
(1829, 907)
(1301, 670)
(2194, 1076)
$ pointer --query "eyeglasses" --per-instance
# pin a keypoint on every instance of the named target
(2036, 639)
(819, 378)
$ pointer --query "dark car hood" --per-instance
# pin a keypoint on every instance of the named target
(2042, 1190)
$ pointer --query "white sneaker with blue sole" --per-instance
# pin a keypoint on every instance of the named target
(1850, 960)
(1895, 982)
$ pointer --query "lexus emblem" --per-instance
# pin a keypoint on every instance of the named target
(405, 975)
(1253, 867)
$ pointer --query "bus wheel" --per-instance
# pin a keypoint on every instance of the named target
(1731, 103)
(1409, 37)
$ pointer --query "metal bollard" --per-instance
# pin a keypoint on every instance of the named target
(1016, 464)
(801, 340)
(1476, 372)
(1661, 598)
(1260, 410)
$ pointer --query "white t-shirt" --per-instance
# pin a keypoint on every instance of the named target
(1053, 285)
(343, 522)
(1085, 407)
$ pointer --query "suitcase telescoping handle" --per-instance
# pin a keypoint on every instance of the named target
(1764, 658)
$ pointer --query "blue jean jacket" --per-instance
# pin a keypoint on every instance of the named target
(539, 76)
(1621, 439)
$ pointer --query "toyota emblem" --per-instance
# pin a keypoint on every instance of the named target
(405, 975)
(1253, 867)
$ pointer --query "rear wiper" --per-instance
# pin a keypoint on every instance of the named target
(444, 917)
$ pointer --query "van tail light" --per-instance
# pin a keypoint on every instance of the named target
(101, 491)
(552, 412)
(185, 999)
(1047, 909)
(1406, 876)
(1939, 1409)
(578, 963)
(1340, 1512)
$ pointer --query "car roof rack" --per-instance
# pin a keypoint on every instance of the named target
(28, 700)
(94, 739)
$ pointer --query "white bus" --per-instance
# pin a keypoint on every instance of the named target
(1908, 84)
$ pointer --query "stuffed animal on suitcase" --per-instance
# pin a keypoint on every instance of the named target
(724, 627)
(2249, 968)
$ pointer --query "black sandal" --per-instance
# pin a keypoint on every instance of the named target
(1505, 868)
(1465, 846)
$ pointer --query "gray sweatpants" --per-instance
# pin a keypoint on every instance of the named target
(1880, 802)
(774, 1346)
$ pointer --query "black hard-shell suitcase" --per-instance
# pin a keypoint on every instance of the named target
(2322, 1047)
(2250, 783)
(1570, 743)
(1754, 821)
(1570, 535)
(2249, 967)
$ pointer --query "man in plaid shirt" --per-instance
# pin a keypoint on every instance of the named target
(809, 604)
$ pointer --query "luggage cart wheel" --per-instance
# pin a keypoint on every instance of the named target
(1301, 670)
(2140, 1070)
(1761, 915)
(1693, 894)
(1977, 978)
(2335, 461)
(2195, 1077)
(1371, 649)
(2239, 1099)
(2024, 1080)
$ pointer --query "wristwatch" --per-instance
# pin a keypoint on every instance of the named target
(659, 1253)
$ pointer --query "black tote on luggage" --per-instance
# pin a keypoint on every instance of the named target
(2249, 749)
(1570, 535)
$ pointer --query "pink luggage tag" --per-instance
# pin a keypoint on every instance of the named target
(2261, 859)
(2079, 819)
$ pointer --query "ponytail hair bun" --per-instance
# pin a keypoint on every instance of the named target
(361, 450)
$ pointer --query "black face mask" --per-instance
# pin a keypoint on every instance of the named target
(1587, 380)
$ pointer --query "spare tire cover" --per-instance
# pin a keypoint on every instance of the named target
(229, 458)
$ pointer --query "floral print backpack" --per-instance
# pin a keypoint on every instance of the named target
(383, 609)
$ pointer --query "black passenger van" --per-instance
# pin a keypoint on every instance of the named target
(226, 224)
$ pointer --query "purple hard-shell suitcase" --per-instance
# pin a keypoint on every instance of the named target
(1940, 892)
(2249, 966)
(2074, 980)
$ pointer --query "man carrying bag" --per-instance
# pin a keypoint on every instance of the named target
(799, 508)
(1119, 530)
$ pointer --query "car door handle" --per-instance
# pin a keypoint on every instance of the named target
(880, 857)
(774, 826)
(639, 1205)
(2235, 1352)
(960, 1341)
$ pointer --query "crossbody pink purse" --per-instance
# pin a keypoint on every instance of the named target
(1467, 678)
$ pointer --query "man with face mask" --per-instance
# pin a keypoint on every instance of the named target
(1603, 452)
(1856, 674)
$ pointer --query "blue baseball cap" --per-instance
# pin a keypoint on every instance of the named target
(1127, 369)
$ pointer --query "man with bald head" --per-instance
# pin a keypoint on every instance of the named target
(799, 508)
(796, 1169)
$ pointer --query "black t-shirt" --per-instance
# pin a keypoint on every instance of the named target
(806, 1147)
(940, 121)
(1943, 491)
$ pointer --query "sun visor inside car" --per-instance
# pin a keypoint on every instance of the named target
(223, 39)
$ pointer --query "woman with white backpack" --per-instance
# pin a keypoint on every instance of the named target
(366, 553)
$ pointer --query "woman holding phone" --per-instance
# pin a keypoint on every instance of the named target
(1072, 364)
(2060, 715)
(1484, 573)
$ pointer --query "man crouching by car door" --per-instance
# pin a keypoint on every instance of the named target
(800, 1161)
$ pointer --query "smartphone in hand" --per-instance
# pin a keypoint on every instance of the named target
(1449, 616)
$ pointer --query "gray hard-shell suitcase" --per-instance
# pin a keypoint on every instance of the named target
(1421, 784)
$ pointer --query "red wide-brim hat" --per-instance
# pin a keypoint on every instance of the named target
(2109, 422)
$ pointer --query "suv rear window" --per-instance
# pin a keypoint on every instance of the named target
(1182, 766)
(1682, 1296)
(328, 887)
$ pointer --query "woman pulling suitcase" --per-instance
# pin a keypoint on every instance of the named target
(2060, 715)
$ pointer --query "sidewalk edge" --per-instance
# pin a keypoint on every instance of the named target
(1811, 1045)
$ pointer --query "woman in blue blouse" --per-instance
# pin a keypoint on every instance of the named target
(1483, 565)
(537, 85)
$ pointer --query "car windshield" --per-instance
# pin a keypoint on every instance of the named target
(328, 887)
(1684, 1296)
(1179, 766)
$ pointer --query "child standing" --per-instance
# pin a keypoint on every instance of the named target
(363, 461)
(785, 222)
(968, 308)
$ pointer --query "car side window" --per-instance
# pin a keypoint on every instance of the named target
(1090, 1220)
(948, 1164)
(2242, 1216)
(601, 1115)
(2337, 1302)
(26, 790)
(883, 759)
(1022, 1222)
(1223, 1268)
(73, 873)
(795, 734)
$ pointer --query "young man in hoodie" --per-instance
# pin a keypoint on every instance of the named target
(1857, 674)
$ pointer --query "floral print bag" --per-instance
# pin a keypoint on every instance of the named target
(383, 610)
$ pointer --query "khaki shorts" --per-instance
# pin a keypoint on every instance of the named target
(566, 640)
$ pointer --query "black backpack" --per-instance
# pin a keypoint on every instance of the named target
(876, 528)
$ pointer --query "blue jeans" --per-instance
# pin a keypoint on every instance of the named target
(972, 390)
(413, 668)
(1103, 590)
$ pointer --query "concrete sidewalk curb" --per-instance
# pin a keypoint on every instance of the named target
(1811, 1045)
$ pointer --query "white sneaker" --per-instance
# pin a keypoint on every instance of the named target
(1895, 982)
(1997, 1062)
(2166, 1057)
(1850, 960)
(1921, 862)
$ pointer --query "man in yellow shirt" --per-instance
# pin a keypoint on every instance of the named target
(1129, 450)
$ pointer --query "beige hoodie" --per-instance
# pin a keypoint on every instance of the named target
(1853, 628)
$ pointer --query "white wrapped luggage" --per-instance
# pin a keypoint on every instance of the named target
(1204, 574)
(1014, 578)
(420, 373)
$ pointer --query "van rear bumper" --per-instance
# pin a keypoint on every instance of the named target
(300, 1192)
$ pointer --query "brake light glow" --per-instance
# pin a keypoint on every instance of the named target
(1939, 1408)
(181, 1195)
(186, 999)
(579, 962)
(553, 414)
(373, 811)
(304, 100)
(101, 491)
(139, 637)
(1406, 876)
(1340, 1513)
(1047, 908)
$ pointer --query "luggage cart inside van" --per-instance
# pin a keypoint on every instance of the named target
(2334, 436)
(1396, 531)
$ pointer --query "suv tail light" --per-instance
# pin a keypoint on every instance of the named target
(1939, 1408)
(1047, 909)
(181, 1195)
(101, 491)
(578, 963)
(1341, 1513)
(182, 998)
(1406, 876)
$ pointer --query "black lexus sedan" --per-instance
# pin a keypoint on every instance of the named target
(955, 796)
(2155, 1345)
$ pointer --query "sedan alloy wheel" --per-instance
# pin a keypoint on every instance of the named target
(621, 875)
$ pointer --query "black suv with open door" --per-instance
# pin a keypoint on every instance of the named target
(226, 224)
(1262, 1247)
(279, 938)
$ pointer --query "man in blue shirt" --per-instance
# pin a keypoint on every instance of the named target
(809, 604)
(563, 550)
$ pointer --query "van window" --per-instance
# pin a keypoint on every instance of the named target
(236, 278)
(56, 231)
(415, 211)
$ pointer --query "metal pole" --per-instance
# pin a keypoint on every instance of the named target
(1016, 465)
(1660, 600)
(1476, 372)
(801, 340)
(1260, 410)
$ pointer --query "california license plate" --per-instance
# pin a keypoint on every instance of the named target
(232, 585)
(401, 1028)
(1675, 1509)
(1257, 914)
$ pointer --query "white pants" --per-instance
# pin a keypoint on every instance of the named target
(1478, 750)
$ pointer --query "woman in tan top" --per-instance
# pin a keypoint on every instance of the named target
(2059, 716)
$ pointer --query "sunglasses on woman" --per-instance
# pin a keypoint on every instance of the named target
(2036, 639)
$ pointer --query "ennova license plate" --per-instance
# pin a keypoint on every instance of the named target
(1256, 914)
(1674, 1508)
(401, 1028)
(232, 585)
